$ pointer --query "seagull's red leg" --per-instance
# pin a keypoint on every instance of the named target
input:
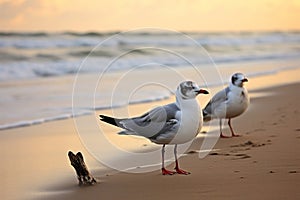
(221, 131)
(163, 169)
(231, 129)
(178, 170)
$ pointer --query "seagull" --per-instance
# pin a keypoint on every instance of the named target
(175, 123)
(228, 103)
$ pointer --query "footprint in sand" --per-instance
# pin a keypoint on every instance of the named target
(241, 156)
(236, 156)
(249, 143)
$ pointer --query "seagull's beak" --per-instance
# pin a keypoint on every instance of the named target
(245, 80)
(202, 91)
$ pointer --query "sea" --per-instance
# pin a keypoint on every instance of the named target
(39, 71)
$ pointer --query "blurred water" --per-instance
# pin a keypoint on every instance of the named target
(29, 55)
(46, 64)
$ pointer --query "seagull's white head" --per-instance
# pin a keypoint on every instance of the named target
(189, 90)
(238, 79)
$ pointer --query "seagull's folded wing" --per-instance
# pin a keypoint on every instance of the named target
(217, 101)
(154, 122)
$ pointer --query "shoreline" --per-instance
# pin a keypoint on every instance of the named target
(36, 156)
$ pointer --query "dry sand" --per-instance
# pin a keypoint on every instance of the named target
(263, 163)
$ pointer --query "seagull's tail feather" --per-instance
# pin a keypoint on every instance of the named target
(110, 120)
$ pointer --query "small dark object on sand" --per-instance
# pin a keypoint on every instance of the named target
(83, 174)
(292, 171)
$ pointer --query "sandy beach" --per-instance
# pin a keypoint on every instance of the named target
(263, 163)
(66, 64)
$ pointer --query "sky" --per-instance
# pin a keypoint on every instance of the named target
(122, 15)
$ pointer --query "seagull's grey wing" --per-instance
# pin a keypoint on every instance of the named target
(156, 121)
(162, 113)
(217, 99)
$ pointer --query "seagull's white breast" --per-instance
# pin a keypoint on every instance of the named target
(190, 122)
(237, 103)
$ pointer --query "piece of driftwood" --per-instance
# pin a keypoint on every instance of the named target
(83, 174)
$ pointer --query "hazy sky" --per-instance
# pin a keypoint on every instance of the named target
(182, 15)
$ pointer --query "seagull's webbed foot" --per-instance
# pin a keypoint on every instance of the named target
(236, 135)
(167, 172)
(224, 136)
(180, 171)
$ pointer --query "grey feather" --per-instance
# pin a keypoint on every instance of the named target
(153, 123)
(217, 99)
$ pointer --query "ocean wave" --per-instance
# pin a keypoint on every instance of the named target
(48, 57)
(15, 66)
(6, 56)
(75, 39)
(24, 34)
(77, 113)
(88, 34)
(58, 69)
(33, 122)
(45, 34)
(95, 53)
